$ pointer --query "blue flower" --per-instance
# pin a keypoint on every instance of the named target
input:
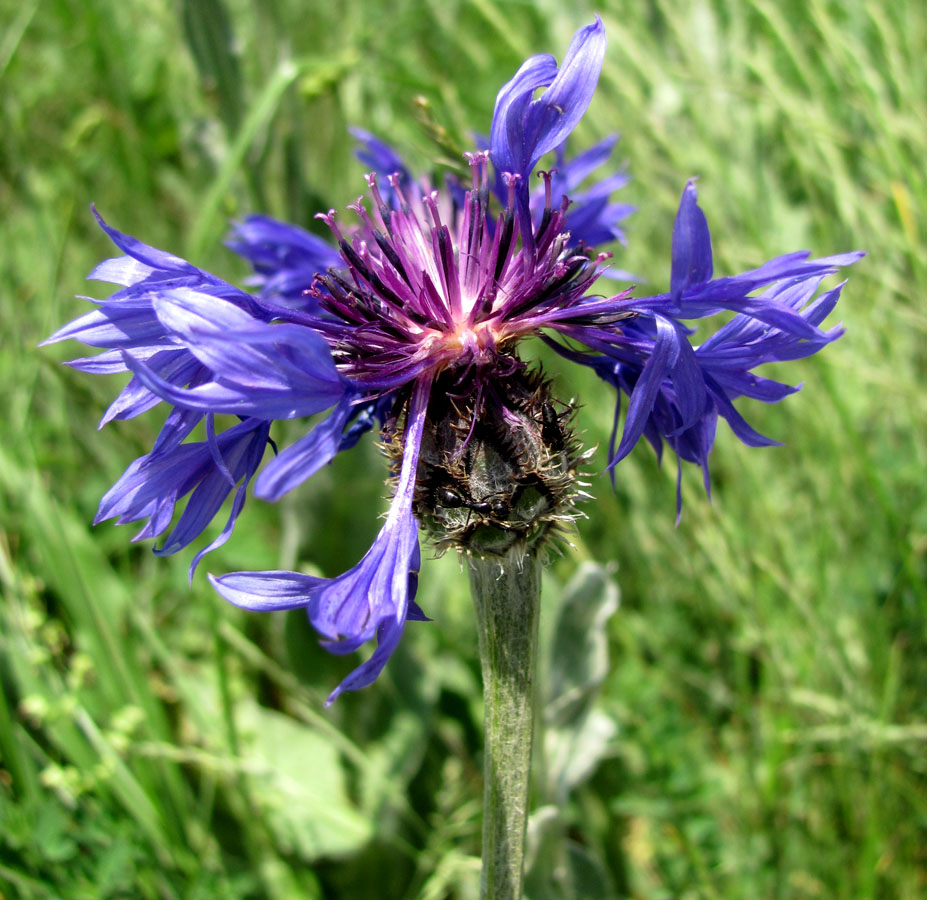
(373, 599)
(410, 321)
(524, 128)
(152, 485)
(127, 321)
(592, 217)
(676, 391)
(380, 157)
(285, 259)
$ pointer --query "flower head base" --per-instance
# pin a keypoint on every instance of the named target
(498, 464)
(412, 322)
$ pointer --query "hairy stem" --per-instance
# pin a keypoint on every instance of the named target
(506, 593)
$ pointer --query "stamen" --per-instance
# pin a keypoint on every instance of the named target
(546, 217)
(511, 181)
(364, 252)
(379, 205)
(359, 208)
(507, 231)
(329, 219)
(469, 240)
(484, 168)
(474, 162)
(390, 253)
(552, 225)
(431, 202)
(352, 258)
(477, 161)
(548, 178)
(394, 182)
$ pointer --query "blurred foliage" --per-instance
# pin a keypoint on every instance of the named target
(751, 722)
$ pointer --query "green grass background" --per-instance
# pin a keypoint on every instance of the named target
(755, 724)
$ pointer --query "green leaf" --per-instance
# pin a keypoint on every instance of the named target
(578, 660)
(572, 754)
(558, 868)
(300, 780)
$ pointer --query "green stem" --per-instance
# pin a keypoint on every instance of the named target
(506, 594)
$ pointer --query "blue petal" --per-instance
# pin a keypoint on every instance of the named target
(112, 326)
(524, 129)
(372, 599)
(272, 245)
(128, 321)
(366, 416)
(555, 114)
(511, 104)
(352, 606)
(388, 634)
(282, 402)
(750, 436)
(110, 361)
(688, 383)
(267, 591)
(299, 461)
(706, 299)
(152, 485)
(664, 355)
(122, 270)
(174, 366)
(572, 172)
(285, 257)
(591, 219)
(177, 427)
(148, 256)
(267, 371)
(379, 156)
(692, 264)
(253, 456)
(234, 344)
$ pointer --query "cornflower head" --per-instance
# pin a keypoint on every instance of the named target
(411, 321)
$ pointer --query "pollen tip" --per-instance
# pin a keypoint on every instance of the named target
(431, 201)
(511, 181)
(329, 219)
(478, 161)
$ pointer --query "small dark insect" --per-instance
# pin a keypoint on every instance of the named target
(551, 431)
(500, 509)
(450, 498)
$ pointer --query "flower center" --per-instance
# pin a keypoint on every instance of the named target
(432, 279)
